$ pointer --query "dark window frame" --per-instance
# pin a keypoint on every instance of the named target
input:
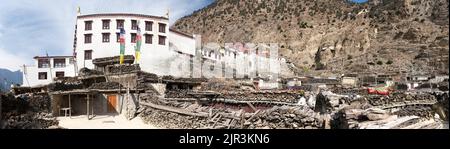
(162, 27)
(58, 73)
(106, 24)
(87, 54)
(164, 39)
(88, 25)
(148, 25)
(41, 63)
(148, 38)
(59, 62)
(107, 39)
(42, 76)
(87, 38)
(120, 23)
(134, 25)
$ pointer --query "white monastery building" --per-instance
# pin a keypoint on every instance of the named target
(97, 36)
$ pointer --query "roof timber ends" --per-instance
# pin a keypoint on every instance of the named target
(120, 14)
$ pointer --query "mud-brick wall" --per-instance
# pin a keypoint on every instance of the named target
(125, 80)
(56, 104)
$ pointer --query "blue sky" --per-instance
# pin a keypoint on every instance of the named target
(29, 27)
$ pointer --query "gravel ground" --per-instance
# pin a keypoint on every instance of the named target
(103, 122)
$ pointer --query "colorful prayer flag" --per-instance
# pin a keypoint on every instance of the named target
(138, 44)
(122, 45)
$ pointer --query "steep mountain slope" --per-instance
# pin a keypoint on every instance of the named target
(8, 77)
(334, 36)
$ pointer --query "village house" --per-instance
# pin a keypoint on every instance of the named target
(46, 68)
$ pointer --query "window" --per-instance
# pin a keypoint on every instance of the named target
(148, 25)
(43, 63)
(133, 37)
(105, 37)
(134, 25)
(120, 24)
(71, 60)
(42, 75)
(105, 24)
(59, 63)
(162, 28)
(60, 74)
(162, 40)
(87, 38)
(87, 54)
(148, 38)
(88, 25)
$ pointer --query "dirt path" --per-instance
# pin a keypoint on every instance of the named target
(103, 122)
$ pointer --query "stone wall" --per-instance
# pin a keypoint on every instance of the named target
(130, 105)
(56, 104)
(160, 88)
(127, 80)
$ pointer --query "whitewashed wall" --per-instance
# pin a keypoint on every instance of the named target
(112, 48)
(31, 72)
(182, 43)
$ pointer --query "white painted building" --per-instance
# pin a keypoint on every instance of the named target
(250, 62)
(97, 35)
(349, 81)
(45, 69)
(162, 49)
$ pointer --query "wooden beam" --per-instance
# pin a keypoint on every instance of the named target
(254, 115)
(70, 106)
(92, 107)
(173, 109)
(87, 107)
(251, 106)
(233, 101)
(241, 112)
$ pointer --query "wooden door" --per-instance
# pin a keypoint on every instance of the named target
(112, 103)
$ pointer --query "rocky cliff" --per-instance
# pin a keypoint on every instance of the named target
(334, 36)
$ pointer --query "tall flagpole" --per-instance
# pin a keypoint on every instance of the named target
(168, 13)
(49, 65)
(122, 45)
(138, 44)
(74, 54)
